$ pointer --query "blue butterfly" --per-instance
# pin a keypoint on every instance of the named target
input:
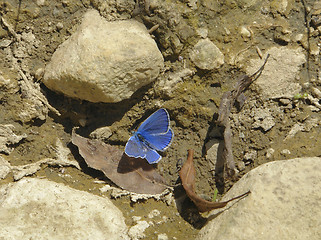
(153, 135)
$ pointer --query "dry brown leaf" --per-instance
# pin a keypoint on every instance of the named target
(187, 175)
(228, 100)
(133, 174)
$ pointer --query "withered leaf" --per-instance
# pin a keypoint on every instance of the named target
(187, 175)
(228, 100)
(133, 174)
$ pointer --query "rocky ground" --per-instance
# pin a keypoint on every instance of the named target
(58, 70)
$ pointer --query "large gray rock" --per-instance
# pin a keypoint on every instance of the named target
(284, 203)
(104, 61)
(278, 79)
(40, 209)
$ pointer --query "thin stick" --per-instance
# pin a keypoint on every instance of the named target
(9, 27)
(41, 98)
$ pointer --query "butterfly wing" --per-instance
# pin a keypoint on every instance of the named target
(153, 135)
(152, 156)
(156, 123)
(134, 148)
(159, 141)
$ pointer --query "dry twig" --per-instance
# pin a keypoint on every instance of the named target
(29, 84)
(37, 94)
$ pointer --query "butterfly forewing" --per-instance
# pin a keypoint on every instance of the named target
(159, 141)
(156, 123)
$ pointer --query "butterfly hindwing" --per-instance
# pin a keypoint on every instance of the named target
(152, 156)
(134, 148)
(156, 123)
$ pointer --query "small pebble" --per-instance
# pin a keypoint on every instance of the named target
(153, 213)
(241, 135)
(316, 92)
(293, 114)
(202, 32)
(313, 108)
(245, 33)
(82, 122)
(162, 236)
(102, 133)
(284, 101)
(306, 84)
(39, 73)
(298, 37)
(240, 165)
(40, 2)
(285, 152)
(136, 218)
(59, 26)
(269, 153)
(250, 155)
(5, 43)
(314, 49)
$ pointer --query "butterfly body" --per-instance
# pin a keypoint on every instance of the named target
(153, 135)
(141, 138)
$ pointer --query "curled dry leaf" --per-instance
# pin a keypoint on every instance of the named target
(187, 175)
(132, 174)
